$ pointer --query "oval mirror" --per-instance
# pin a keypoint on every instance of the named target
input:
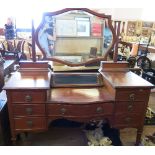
(75, 36)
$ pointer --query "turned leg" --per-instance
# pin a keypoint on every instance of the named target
(138, 138)
(18, 138)
(14, 140)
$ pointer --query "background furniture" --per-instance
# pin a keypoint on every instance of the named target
(4, 120)
(5, 134)
(1, 73)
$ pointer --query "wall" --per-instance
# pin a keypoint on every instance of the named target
(123, 13)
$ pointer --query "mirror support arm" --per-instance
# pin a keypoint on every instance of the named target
(117, 30)
(33, 43)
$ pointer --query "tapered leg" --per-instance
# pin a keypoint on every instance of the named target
(14, 140)
(138, 138)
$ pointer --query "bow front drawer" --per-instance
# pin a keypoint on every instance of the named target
(56, 109)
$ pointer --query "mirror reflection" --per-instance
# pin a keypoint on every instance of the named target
(75, 36)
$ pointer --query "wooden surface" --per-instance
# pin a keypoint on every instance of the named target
(29, 80)
(114, 66)
(80, 95)
(125, 79)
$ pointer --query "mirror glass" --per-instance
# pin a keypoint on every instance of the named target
(75, 36)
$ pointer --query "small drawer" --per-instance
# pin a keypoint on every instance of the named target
(128, 120)
(29, 109)
(129, 107)
(30, 123)
(28, 96)
(132, 95)
(80, 109)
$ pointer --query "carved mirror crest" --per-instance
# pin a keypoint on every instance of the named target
(75, 36)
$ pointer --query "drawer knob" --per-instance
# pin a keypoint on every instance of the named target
(29, 111)
(63, 110)
(128, 120)
(28, 98)
(132, 97)
(130, 107)
(99, 109)
(29, 123)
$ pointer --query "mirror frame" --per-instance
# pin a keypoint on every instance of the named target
(103, 16)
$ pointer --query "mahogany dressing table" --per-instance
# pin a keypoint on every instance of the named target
(37, 95)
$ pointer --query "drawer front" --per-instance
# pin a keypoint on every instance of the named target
(132, 95)
(29, 109)
(128, 107)
(28, 96)
(128, 120)
(80, 110)
(30, 123)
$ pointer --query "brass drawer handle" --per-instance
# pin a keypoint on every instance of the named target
(99, 109)
(28, 98)
(29, 123)
(63, 110)
(132, 97)
(130, 108)
(28, 111)
(128, 120)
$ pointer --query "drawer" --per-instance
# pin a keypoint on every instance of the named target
(129, 107)
(128, 120)
(56, 109)
(28, 109)
(28, 96)
(132, 95)
(30, 123)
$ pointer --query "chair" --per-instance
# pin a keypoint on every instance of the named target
(12, 51)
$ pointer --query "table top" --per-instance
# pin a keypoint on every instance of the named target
(125, 79)
(28, 80)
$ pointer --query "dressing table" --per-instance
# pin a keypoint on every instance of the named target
(37, 95)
